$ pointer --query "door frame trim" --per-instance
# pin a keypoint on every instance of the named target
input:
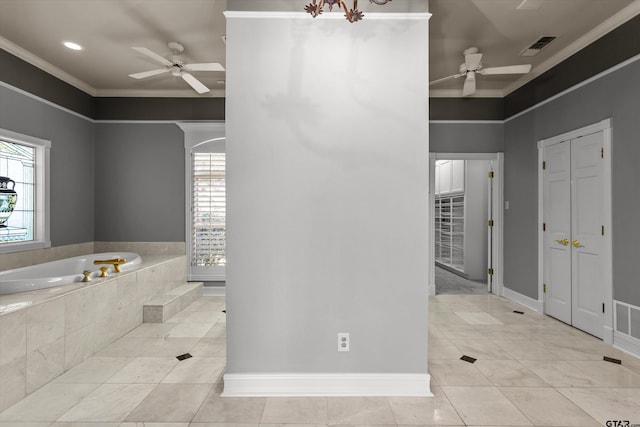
(605, 127)
(498, 213)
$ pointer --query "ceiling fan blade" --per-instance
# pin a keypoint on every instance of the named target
(146, 74)
(455, 76)
(195, 83)
(153, 55)
(472, 61)
(469, 84)
(206, 66)
(509, 69)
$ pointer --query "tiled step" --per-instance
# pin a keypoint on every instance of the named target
(161, 308)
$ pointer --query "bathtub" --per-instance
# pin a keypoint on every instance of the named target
(62, 272)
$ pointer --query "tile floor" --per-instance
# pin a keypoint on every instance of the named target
(530, 370)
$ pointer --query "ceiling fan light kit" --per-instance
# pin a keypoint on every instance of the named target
(176, 66)
(316, 7)
(472, 65)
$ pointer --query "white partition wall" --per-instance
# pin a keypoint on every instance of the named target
(327, 191)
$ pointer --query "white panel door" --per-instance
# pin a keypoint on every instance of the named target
(557, 206)
(587, 170)
(573, 242)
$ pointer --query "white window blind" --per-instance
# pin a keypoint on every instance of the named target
(208, 210)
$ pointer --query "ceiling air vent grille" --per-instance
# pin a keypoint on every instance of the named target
(537, 46)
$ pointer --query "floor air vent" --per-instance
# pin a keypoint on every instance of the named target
(537, 46)
(468, 359)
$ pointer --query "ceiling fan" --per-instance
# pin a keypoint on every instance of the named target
(176, 66)
(472, 65)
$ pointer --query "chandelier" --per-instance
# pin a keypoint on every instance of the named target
(316, 7)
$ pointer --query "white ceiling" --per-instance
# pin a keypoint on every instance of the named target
(35, 29)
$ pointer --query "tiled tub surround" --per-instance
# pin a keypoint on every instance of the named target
(66, 271)
(47, 332)
(39, 256)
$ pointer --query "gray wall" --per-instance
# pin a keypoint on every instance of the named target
(520, 220)
(109, 181)
(461, 137)
(616, 96)
(140, 182)
(71, 168)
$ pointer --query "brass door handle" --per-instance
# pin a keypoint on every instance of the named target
(576, 243)
(563, 242)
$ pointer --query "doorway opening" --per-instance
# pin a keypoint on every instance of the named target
(466, 200)
(205, 207)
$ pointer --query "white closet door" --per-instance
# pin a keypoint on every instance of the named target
(557, 206)
(587, 170)
(573, 241)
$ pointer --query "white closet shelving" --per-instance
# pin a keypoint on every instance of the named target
(460, 229)
(449, 231)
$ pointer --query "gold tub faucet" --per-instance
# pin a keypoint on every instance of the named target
(116, 262)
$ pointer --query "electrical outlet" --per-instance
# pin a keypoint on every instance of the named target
(344, 342)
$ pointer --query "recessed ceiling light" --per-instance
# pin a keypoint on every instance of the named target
(72, 45)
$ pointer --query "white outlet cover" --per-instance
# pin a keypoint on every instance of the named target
(344, 342)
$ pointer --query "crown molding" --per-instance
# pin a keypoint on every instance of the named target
(45, 66)
(605, 27)
(613, 22)
(150, 93)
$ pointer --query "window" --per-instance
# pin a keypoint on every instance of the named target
(208, 210)
(23, 192)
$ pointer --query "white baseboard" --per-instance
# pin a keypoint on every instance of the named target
(213, 291)
(256, 385)
(524, 300)
(626, 343)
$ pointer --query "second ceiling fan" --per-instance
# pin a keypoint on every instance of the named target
(473, 65)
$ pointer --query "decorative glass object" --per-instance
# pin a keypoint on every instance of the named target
(8, 199)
